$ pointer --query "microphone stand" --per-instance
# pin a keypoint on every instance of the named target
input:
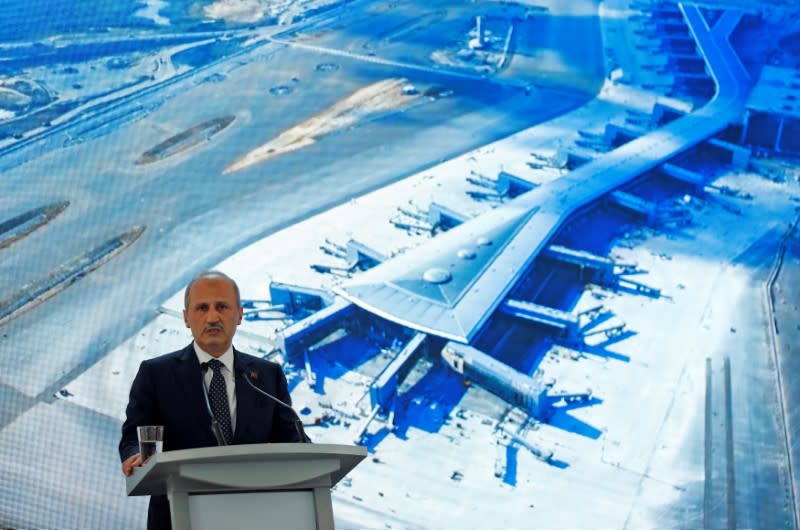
(298, 423)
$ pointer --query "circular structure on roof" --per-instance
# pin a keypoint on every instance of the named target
(280, 90)
(483, 241)
(466, 253)
(436, 275)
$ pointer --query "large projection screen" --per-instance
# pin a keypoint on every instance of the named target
(540, 257)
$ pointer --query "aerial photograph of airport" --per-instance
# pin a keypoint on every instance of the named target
(541, 258)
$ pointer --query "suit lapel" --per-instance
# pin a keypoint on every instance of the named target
(245, 397)
(190, 382)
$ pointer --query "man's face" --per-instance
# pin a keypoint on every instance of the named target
(213, 314)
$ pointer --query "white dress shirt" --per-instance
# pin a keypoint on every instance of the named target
(227, 373)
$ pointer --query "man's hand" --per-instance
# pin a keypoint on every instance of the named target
(130, 463)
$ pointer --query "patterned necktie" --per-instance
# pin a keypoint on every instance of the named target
(218, 394)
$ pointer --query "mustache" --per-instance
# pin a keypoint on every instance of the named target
(214, 326)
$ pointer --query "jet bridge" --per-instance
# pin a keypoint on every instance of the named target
(604, 271)
(384, 389)
(357, 256)
(511, 185)
(521, 390)
(698, 180)
(571, 331)
(583, 258)
(616, 135)
(739, 155)
(663, 114)
(443, 218)
(296, 339)
(636, 204)
(438, 218)
(566, 323)
(505, 186)
(287, 301)
(687, 176)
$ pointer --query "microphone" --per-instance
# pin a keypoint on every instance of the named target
(298, 424)
(215, 428)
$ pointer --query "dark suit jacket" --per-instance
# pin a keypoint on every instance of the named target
(168, 390)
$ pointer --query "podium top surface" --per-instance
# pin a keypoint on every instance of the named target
(250, 466)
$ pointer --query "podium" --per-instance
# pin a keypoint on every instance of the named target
(278, 485)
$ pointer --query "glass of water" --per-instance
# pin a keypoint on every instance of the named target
(151, 437)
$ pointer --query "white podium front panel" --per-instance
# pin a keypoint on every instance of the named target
(271, 510)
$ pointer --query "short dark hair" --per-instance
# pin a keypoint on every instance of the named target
(214, 275)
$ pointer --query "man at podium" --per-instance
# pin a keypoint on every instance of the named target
(199, 395)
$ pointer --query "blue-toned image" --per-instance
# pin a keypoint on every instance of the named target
(540, 258)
